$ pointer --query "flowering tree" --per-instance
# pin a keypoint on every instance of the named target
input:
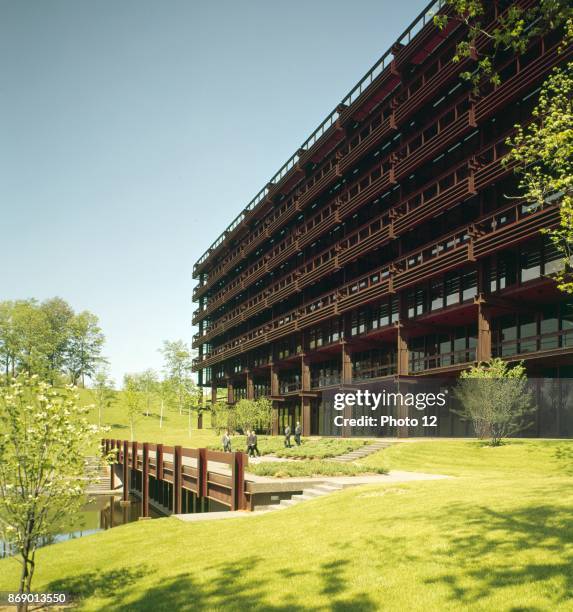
(45, 435)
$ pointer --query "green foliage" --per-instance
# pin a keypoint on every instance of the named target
(45, 434)
(184, 393)
(132, 400)
(253, 414)
(103, 392)
(543, 154)
(513, 32)
(223, 417)
(324, 448)
(495, 398)
(293, 469)
(48, 339)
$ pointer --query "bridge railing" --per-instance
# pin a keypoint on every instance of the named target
(179, 479)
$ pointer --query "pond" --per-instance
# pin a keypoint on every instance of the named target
(100, 512)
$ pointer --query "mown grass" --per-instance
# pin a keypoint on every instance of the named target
(290, 469)
(498, 536)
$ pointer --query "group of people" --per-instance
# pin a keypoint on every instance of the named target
(297, 434)
(252, 443)
(252, 440)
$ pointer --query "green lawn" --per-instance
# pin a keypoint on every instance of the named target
(498, 536)
(312, 467)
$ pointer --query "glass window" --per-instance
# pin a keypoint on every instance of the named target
(530, 263)
(437, 294)
(469, 284)
(548, 328)
(452, 288)
(527, 333)
(508, 335)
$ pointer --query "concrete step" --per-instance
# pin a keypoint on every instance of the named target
(288, 502)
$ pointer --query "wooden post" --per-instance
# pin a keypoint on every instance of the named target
(202, 472)
(125, 496)
(145, 481)
(238, 481)
(159, 462)
(213, 395)
(274, 382)
(177, 480)
(483, 349)
(305, 374)
(112, 468)
(200, 420)
(230, 392)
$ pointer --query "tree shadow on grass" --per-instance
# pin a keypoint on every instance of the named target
(474, 573)
(98, 584)
(229, 585)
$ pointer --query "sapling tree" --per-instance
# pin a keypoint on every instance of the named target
(44, 439)
(103, 391)
(495, 398)
(132, 400)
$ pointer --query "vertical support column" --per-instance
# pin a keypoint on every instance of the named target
(159, 462)
(274, 382)
(346, 373)
(112, 468)
(238, 480)
(305, 374)
(483, 351)
(213, 395)
(403, 354)
(230, 392)
(177, 480)
(125, 496)
(305, 409)
(202, 475)
(145, 481)
(250, 387)
(275, 420)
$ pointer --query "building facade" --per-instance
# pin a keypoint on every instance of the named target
(386, 248)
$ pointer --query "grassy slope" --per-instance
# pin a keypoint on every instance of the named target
(499, 536)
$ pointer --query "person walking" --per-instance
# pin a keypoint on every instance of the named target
(287, 437)
(249, 450)
(226, 442)
(253, 445)
(297, 433)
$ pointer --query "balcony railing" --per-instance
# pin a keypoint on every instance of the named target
(540, 342)
(485, 236)
(441, 360)
(353, 95)
(378, 371)
(325, 380)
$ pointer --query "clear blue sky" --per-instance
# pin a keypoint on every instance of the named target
(133, 131)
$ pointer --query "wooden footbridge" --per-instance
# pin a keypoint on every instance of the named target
(180, 480)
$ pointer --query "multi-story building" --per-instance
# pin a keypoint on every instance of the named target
(387, 248)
